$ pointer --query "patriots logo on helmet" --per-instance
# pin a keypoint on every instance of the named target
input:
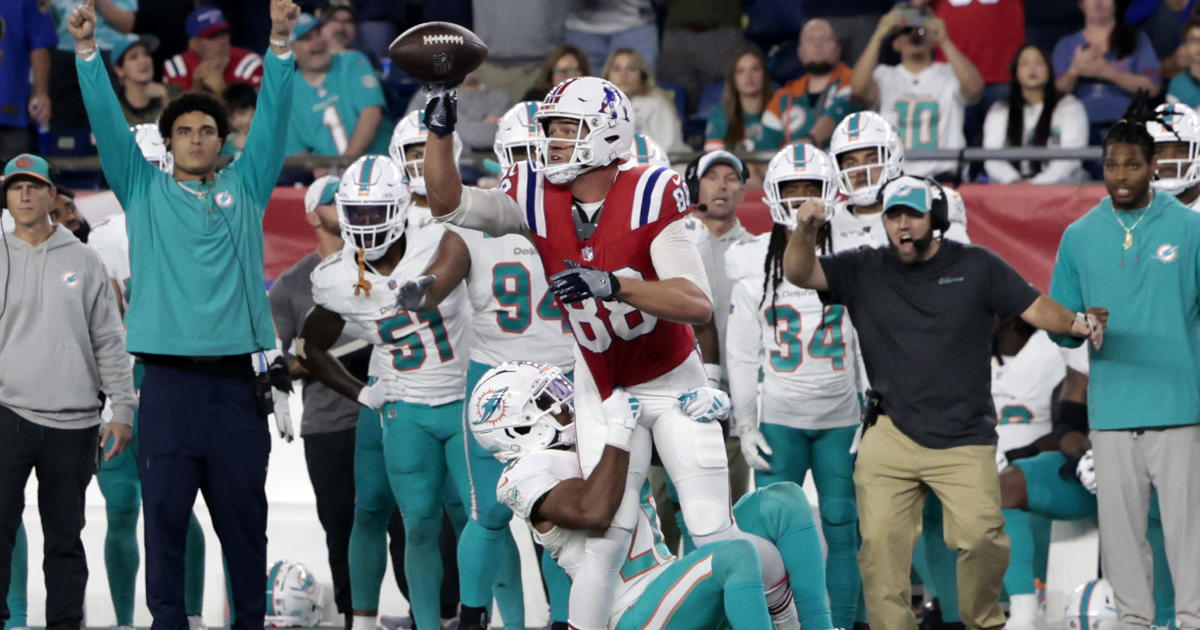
(611, 102)
(493, 406)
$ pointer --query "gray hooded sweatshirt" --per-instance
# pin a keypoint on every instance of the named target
(61, 336)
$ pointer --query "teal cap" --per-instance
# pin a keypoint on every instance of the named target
(28, 166)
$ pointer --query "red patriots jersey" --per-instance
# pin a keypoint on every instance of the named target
(622, 345)
(244, 67)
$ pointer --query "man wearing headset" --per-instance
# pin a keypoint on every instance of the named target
(924, 308)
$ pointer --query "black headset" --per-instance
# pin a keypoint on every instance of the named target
(691, 178)
(939, 205)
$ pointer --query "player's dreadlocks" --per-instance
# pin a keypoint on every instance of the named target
(1131, 129)
(773, 265)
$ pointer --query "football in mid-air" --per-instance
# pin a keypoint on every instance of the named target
(438, 52)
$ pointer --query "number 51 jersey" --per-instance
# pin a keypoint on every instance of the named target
(427, 349)
(621, 345)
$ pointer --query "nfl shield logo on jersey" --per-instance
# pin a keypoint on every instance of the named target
(588, 253)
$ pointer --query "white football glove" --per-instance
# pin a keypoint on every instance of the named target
(411, 294)
(1085, 471)
(283, 414)
(754, 447)
(384, 390)
(705, 404)
(621, 415)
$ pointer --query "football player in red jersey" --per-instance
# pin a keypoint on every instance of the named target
(632, 284)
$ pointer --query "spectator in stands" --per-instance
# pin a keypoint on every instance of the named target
(808, 108)
(653, 107)
(210, 61)
(480, 107)
(737, 125)
(602, 27)
(107, 36)
(338, 103)
(989, 34)
(1035, 114)
(924, 99)
(1105, 64)
(239, 100)
(195, 239)
(165, 19)
(563, 63)
(63, 212)
(329, 422)
(516, 51)
(142, 98)
(1185, 86)
(63, 344)
(339, 25)
(30, 36)
(694, 35)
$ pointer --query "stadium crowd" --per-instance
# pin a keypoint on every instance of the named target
(992, 408)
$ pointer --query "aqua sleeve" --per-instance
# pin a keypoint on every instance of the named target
(262, 159)
(716, 128)
(120, 159)
(1064, 285)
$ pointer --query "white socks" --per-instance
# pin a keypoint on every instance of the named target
(362, 622)
(196, 622)
(1023, 613)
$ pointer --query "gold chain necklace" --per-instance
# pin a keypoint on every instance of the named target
(1129, 229)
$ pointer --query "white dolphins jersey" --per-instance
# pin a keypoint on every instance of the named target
(516, 317)
(1023, 388)
(110, 240)
(806, 351)
(527, 479)
(926, 108)
(847, 225)
(427, 349)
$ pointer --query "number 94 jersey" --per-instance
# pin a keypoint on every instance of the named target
(427, 349)
(806, 350)
(516, 317)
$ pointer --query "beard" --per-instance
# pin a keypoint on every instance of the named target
(819, 67)
(920, 246)
(82, 231)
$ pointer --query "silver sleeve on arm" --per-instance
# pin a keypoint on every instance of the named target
(489, 211)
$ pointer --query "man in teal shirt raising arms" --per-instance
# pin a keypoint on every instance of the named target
(199, 311)
(1138, 253)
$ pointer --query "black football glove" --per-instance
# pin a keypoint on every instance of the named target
(441, 109)
(578, 283)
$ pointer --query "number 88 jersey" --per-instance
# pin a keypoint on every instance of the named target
(427, 349)
(807, 351)
(516, 317)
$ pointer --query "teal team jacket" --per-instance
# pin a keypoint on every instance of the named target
(1146, 372)
(195, 250)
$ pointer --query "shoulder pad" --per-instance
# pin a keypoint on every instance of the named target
(528, 478)
(331, 281)
(745, 258)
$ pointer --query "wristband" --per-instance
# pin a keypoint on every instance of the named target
(1081, 318)
(278, 43)
(85, 53)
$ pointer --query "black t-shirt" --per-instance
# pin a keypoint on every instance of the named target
(926, 334)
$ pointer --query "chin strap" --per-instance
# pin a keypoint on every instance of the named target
(363, 284)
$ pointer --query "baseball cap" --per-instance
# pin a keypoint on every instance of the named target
(321, 192)
(907, 192)
(720, 157)
(26, 166)
(124, 44)
(304, 25)
(206, 22)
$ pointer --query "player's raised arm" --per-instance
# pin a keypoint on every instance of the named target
(800, 264)
(443, 182)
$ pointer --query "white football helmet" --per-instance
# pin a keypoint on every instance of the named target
(511, 411)
(372, 203)
(1184, 126)
(866, 130)
(294, 597)
(1091, 607)
(648, 152)
(409, 131)
(150, 141)
(606, 126)
(516, 130)
(793, 163)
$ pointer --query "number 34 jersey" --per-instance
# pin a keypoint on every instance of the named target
(516, 317)
(427, 349)
(806, 351)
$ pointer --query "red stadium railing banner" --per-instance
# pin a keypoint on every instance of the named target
(1021, 223)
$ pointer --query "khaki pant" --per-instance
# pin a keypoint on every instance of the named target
(891, 476)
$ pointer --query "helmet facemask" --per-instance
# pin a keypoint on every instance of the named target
(783, 209)
(371, 226)
(1176, 175)
(877, 174)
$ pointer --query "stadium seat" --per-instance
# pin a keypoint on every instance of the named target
(696, 124)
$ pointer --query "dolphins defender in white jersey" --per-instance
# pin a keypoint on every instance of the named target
(417, 366)
(514, 316)
(806, 353)
(868, 152)
(407, 150)
(1176, 133)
